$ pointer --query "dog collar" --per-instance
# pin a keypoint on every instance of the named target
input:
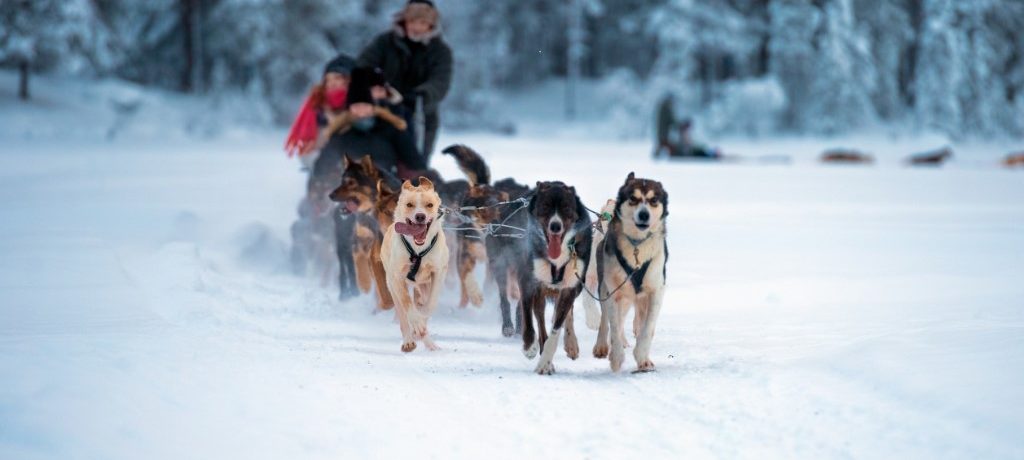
(637, 243)
(416, 258)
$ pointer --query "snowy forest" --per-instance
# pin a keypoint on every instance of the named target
(740, 66)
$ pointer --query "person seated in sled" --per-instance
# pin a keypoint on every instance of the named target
(365, 128)
(673, 138)
(326, 101)
(683, 146)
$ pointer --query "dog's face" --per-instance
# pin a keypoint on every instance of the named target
(642, 205)
(357, 191)
(417, 209)
(556, 208)
(486, 197)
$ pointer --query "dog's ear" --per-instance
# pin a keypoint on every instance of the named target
(503, 196)
(345, 162)
(630, 177)
(368, 164)
(581, 211)
(383, 190)
(407, 185)
(425, 184)
(664, 204)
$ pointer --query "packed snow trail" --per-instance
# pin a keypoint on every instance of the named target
(812, 312)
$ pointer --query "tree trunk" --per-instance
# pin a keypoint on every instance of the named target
(23, 70)
(574, 54)
(197, 47)
(187, 8)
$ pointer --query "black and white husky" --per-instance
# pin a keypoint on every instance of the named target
(553, 267)
(631, 270)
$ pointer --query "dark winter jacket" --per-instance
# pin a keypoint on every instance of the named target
(412, 68)
(385, 143)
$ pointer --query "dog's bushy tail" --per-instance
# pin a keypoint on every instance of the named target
(471, 164)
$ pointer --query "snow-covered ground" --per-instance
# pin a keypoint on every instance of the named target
(146, 311)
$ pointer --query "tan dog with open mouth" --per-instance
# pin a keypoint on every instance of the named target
(415, 255)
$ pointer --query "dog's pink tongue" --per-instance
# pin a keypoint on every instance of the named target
(554, 246)
(352, 205)
(406, 229)
(417, 231)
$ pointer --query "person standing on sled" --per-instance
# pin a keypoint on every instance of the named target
(325, 101)
(416, 60)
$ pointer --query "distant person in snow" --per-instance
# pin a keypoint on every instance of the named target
(664, 122)
(673, 137)
(417, 62)
(683, 145)
(325, 101)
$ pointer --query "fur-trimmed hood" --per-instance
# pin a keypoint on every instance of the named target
(398, 27)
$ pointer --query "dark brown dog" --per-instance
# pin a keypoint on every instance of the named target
(358, 196)
(555, 264)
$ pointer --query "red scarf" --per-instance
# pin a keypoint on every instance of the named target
(302, 137)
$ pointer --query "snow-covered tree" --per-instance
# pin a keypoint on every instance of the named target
(37, 35)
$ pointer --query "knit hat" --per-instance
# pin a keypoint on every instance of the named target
(420, 9)
(363, 78)
(342, 64)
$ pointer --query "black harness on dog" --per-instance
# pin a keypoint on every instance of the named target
(639, 272)
(415, 258)
(557, 274)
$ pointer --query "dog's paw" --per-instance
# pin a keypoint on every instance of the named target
(645, 366)
(408, 347)
(476, 298)
(546, 369)
(418, 326)
(531, 351)
(615, 358)
(431, 345)
(507, 330)
(601, 350)
(572, 348)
